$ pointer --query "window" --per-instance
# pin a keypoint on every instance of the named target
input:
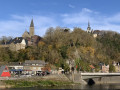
(33, 64)
(34, 67)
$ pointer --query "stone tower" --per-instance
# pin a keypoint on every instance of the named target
(89, 28)
(31, 28)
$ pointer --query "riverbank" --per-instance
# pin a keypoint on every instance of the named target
(50, 80)
(23, 83)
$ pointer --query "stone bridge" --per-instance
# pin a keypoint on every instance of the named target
(96, 75)
(85, 78)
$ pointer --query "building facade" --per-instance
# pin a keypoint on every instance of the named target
(34, 66)
(17, 43)
(105, 68)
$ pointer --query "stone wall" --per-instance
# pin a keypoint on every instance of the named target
(106, 80)
(16, 47)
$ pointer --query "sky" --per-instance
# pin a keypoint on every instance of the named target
(16, 15)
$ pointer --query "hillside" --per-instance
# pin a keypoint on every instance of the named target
(59, 45)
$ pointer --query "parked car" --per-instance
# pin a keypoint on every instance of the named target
(47, 72)
(39, 73)
(42, 73)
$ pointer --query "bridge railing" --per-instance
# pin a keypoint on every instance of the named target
(101, 74)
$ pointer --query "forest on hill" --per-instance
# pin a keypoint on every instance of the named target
(59, 45)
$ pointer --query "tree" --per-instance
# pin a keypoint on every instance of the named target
(111, 68)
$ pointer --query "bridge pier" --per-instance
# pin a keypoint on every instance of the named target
(76, 78)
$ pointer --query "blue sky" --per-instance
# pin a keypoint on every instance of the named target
(16, 15)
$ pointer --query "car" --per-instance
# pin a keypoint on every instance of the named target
(42, 73)
(47, 72)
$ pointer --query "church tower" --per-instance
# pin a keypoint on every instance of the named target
(89, 28)
(31, 28)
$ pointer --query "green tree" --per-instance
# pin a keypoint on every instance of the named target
(111, 68)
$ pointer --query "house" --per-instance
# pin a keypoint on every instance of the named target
(105, 68)
(18, 43)
(15, 67)
(60, 71)
(96, 33)
(15, 44)
(35, 66)
(29, 67)
(4, 71)
(117, 66)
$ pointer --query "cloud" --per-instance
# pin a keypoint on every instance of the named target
(71, 6)
(65, 15)
(97, 20)
(114, 18)
(18, 24)
(87, 10)
(10, 27)
(77, 18)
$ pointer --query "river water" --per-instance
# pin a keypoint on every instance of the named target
(72, 87)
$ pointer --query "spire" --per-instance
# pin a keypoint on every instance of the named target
(89, 28)
(31, 32)
(32, 24)
(88, 24)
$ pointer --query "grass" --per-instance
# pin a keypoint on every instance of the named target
(23, 83)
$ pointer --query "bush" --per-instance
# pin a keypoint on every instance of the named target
(111, 68)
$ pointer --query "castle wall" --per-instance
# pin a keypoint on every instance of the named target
(16, 47)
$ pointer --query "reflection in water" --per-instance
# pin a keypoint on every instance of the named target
(72, 87)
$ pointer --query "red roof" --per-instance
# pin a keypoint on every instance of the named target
(92, 66)
(4, 72)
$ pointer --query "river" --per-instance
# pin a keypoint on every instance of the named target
(72, 87)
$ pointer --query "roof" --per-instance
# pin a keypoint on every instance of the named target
(34, 62)
(15, 63)
(92, 66)
(32, 24)
(39, 65)
(1, 69)
(18, 40)
(26, 32)
(99, 32)
(96, 31)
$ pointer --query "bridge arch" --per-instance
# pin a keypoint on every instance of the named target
(90, 81)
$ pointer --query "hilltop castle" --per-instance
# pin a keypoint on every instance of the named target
(27, 39)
